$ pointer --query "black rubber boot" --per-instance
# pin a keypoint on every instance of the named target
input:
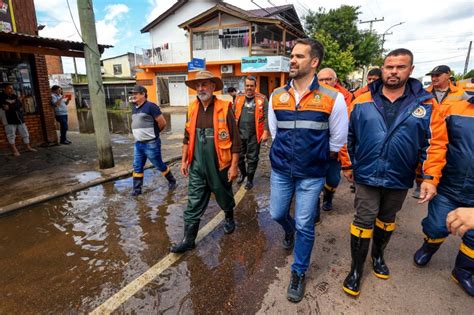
(137, 186)
(249, 184)
(190, 234)
(328, 195)
(171, 181)
(229, 225)
(317, 218)
(463, 272)
(359, 250)
(423, 256)
(240, 178)
(380, 240)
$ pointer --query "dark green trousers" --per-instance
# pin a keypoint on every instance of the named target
(249, 150)
(205, 177)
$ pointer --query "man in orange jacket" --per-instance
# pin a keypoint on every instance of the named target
(251, 114)
(333, 177)
(372, 75)
(210, 154)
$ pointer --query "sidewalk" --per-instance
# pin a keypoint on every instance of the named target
(51, 172)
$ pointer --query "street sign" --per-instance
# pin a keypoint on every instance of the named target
(197, 64)
(265, 64)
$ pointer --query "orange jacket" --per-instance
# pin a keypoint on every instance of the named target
(455, 94)
(222, 140)
(361, 91)
(348, 97)
(259, 112)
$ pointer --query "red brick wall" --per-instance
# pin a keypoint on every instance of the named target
(54, 64)
(25, 16)
(26, 22)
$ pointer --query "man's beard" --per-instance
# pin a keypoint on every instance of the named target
(394, 86)
(204, 96)
(298, 74)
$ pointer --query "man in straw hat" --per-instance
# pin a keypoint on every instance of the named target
(211, 148)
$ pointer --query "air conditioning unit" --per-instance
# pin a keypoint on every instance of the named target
(227, 69)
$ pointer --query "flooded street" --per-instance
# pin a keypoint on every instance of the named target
(73, 253)
(120, 122)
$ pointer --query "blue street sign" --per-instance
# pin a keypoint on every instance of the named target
(197, 64)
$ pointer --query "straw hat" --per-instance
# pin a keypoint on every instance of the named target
(205, 75)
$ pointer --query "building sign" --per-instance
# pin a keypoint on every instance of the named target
(265, 64)
(7, 19)
(63, 80)
(197, 64)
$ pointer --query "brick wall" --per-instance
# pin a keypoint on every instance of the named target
(41, 126)
(25, 16)
(54, 64)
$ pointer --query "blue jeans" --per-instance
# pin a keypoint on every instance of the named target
(333, 176)
(434, 225)
(306, 192)
(151, 150)
(62, 120)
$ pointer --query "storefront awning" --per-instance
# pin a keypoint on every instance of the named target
(33, 44)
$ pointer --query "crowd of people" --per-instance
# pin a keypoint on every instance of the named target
(385, 137)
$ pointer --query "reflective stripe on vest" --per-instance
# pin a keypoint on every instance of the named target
(306, 124)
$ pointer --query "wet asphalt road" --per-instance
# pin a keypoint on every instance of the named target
(71, 254)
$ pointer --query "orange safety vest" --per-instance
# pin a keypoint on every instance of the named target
(259, 112)
(222, 140)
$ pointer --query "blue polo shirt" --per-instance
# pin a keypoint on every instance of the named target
(144, 125)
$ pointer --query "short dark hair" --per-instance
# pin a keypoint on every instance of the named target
(317, 49)
(4, 85)
(375, 71)
(400, 52)
(55, 88)
(231, 89)
(251, 78)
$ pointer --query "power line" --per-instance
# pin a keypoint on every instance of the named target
(447, 58)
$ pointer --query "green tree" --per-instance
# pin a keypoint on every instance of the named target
(341, 25)
(336, 58)
(470, 74)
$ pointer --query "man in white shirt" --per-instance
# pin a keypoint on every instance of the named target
(308, 123)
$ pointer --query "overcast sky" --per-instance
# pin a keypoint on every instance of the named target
(436, 32)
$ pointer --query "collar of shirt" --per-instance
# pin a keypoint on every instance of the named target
(385, 99)
(297, 95)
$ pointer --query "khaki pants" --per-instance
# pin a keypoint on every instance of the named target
(377, 202)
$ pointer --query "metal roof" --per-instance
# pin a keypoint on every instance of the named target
(34, 44)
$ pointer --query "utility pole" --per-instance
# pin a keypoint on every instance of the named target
(365, 69)
(96, 88)
(371, 22)
(466, 64)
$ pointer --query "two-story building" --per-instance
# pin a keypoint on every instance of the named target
(234, 43)
(118, 76)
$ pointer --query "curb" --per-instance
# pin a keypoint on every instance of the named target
(75, 188)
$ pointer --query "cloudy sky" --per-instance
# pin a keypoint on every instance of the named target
(437, 32)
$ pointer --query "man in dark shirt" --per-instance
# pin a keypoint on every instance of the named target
(13, 119)
(147, 122)
(251, 113)
(210, 154)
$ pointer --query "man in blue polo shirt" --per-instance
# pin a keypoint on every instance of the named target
(147, 122)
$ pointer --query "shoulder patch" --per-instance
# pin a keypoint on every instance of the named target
(419, 112)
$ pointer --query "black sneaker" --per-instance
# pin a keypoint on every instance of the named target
(289, 241)
(66, 142)
(295, 291)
